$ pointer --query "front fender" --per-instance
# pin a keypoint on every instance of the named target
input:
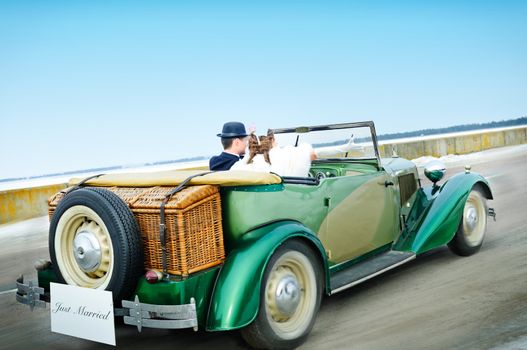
(440, 212)
(236, 297)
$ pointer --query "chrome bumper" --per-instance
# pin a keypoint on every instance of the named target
(31, 295)
(492, 213)
(160, 316)
(134, 312)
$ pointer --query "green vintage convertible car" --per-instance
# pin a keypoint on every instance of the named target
(249, 250)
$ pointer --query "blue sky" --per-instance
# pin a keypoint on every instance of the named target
(101, 83)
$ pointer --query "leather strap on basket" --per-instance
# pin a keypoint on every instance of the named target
(81, 183)
(162, 224)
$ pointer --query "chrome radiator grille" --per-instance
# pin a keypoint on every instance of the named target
(407, 187)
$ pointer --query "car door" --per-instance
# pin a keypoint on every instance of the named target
(362, 215)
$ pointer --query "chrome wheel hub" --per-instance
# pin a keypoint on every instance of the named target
(287, 295)
(471, 218)
(291, 295)
(83, 248)
(474, 219)
(87, 249)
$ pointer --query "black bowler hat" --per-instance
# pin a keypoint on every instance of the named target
(233, 129)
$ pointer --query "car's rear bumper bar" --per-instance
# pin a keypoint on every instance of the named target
(28, 294)
(160, 316)
(134, 312)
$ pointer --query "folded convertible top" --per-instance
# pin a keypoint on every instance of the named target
(176, 177)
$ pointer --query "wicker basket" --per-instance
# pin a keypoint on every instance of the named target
(194, 237)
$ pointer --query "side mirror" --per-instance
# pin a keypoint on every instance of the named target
(435, 170)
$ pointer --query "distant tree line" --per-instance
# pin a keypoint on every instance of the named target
(426, 132)
(457, 128)
(180, 160)
(103, 169)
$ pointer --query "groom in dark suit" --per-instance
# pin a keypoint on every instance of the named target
(234, 141)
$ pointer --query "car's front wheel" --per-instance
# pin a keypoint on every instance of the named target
(471, 231)
(290, 298)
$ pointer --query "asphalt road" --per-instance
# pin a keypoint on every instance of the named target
(438, 301)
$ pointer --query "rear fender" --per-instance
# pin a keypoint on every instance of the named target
(438, 213)
(236, 297)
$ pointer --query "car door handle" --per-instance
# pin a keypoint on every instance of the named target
(388, 183)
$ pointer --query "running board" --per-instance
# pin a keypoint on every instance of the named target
(367, 269)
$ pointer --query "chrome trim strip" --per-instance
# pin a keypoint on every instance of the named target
(8, 291)
(354, 283)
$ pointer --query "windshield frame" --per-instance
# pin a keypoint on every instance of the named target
(307, 129)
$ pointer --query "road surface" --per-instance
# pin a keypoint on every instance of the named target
(438, 301)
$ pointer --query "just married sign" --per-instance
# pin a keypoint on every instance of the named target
(82, 312)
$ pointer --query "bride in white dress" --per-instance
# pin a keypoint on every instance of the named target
(265, 155)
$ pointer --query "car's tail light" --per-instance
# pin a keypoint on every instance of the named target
(153, 276)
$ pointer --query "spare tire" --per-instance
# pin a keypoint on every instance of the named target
(94, 242)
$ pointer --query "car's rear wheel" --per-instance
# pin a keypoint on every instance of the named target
(94, 242)
(471, 231)
(290, 298)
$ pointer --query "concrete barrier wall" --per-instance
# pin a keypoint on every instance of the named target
(26, 203)
(455, 144)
